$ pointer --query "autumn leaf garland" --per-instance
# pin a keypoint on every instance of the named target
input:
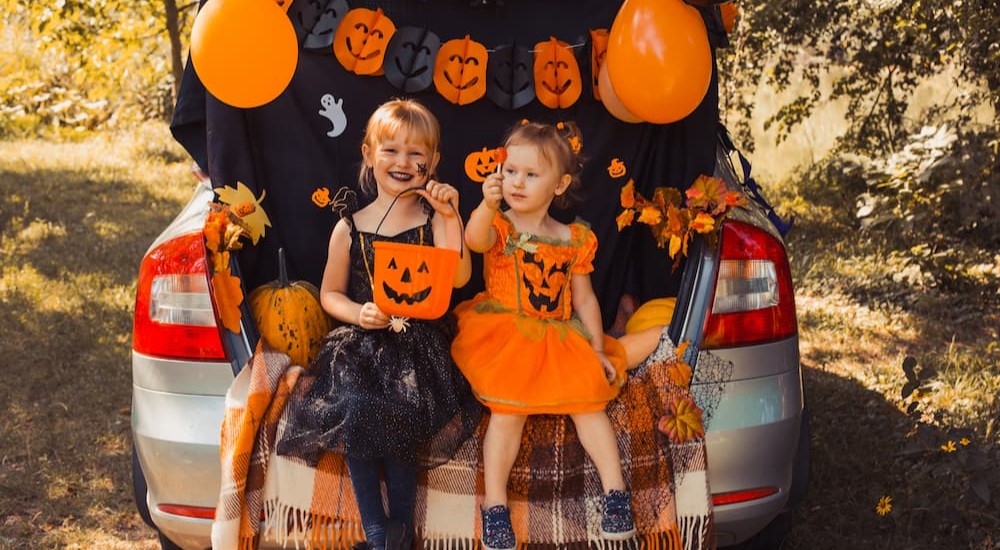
(674, 218)
(237, 215)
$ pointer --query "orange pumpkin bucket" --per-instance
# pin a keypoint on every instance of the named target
(413, 280)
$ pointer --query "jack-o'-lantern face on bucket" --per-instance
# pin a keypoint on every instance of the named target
(544, 283)
(557, 74)
(460, 70)
(409, 60)
(361, 40)
(413, 280)
(411, 284)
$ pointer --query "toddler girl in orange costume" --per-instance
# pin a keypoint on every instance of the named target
(533, 341)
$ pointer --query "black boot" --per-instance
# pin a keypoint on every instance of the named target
(398, 536)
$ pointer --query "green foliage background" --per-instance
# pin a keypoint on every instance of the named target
(72, 66)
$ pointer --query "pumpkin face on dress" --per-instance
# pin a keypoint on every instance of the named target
(544, 282)
(361, 40)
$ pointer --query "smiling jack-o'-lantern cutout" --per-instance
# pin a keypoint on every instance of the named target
(409, 59)
(316, 21)
(413, 280)
(361, 40)
(244, 51)
(617, 168)
(557, 74)
(460, 70)
(598, 50)
(480, 164)
(510, 83)
(544, 283)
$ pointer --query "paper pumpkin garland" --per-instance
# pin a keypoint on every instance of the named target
(460, 70)
(510, 83)
(409, 59)
(316, 21)
(654, 65)
(557, 75)
(361, 39)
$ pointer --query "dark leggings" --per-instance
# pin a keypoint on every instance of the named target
(401, 486)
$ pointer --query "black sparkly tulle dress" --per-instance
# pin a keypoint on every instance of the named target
(379, 393)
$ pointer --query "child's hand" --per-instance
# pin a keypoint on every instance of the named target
(609, 370)
(372, 317)
(493, 190)
(441, 196)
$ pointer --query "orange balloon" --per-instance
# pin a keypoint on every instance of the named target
(610, 98)
(244, 51)
(659, 59)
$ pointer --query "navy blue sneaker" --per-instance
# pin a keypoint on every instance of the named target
(617, 522)
(498, 533)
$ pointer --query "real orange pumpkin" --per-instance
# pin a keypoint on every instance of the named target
(289, 316)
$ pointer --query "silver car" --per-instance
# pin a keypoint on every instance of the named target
(735, 299)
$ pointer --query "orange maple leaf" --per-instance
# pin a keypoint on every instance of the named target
(703, 223)
(650, 215)
(706, 191)
(679, 373)
(228, 297)
(215, 230)
(628, 195)
(625, 218)
(682, 421)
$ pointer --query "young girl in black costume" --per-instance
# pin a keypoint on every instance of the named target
(387, 395)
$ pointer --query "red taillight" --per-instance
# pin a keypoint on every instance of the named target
(735, 497)
(753, 301)
(199, 512)
(174, 316)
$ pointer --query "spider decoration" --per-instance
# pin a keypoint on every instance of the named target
(398, 324)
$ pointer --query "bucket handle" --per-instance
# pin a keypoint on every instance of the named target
(461, 242)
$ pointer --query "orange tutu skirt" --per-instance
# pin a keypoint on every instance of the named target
(524, 365)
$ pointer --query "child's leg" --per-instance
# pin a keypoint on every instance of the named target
(366, 480)
(500, 447)
(598, 439)
(401, 486)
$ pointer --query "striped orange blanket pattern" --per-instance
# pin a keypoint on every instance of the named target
(554, 490)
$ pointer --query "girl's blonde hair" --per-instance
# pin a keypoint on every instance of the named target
(391, 118)
(560, 146)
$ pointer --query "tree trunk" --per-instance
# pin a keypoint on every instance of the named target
(174, 32)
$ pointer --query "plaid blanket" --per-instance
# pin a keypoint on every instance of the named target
(554, 491)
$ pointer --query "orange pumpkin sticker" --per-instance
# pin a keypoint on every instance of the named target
(480, 164)
(460, 70)
(557, 74)
(617, 168)
(361, 40)
(321, 197)
(598, 49)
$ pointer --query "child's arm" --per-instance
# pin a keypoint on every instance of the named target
(333, 290)
(587, 308)
(479, 232)
(448, 225)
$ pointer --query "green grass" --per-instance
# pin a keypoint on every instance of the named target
(75, 219)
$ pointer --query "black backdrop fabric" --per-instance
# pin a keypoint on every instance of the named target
(284, 147)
